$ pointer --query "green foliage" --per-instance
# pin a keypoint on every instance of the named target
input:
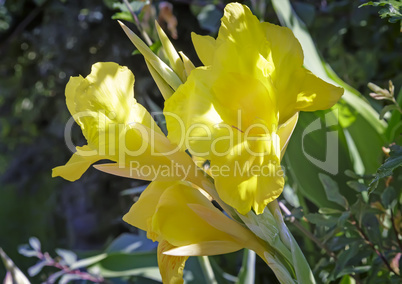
(392, 9)
(385, 170)
(125, 12)
(363, 235)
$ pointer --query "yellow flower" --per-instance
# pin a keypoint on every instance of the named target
(119, 129)
(185, 223)
(240, 109)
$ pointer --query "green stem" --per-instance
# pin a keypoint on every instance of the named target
(138, 24)
(302, 268)
(280, 270)
(207, 269)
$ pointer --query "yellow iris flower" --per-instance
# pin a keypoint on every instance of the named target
(240, 109)
(119, 129)
(185, 223)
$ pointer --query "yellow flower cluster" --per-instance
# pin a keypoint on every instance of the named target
(235, 114)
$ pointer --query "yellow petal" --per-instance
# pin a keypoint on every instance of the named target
(316, 94)
(103, 98)
(145, 207)
(119, 128)
(285, 131)
(285, 53)
(171, 267)
(240, 26)
(244, 238)
(205, 48)
(77, 165)
(135, 171)
(190, 113)
(109, 87)
(71, 92)
(140, 115)
(148, 155)
(254, 76)
(249, 175)
(177, 223)
(241, 99)
(205, 248)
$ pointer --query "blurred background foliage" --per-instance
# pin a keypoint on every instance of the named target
(44, 42)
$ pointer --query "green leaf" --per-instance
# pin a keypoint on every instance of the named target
(155, 47)
(168, 76)
(392, 9)
(129, 243)
(359, 124)
(174, 59)
(88, 261)
(343, 259)
(332, 190)
(340, 242)
(321, 220)
(365, 125)
(353, 270)
(371, 226)
(124, 16)
(358, 209)
(343, 218)
(247, 270)
(136, 6)
(347, 279)
(329, 211)
(352, 174)
(388, 196)
(394, 161)
(357, 186)
(143, 264)
(307, 156)
(128, 264)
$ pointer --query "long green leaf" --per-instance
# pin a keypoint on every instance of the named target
(360, 134)
(314, 150)
(364, 125)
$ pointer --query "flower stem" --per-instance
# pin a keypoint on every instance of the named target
(138, 24)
